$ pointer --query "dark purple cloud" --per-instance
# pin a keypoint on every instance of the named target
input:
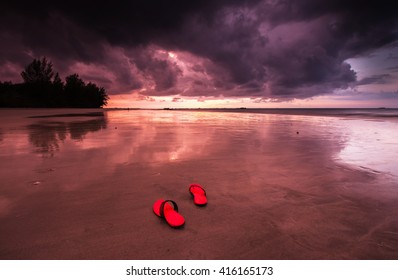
(393, 69)
(160, 70)
(375, 79)
(254, 48)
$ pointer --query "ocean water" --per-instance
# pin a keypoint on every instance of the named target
(337, 112)
(366, 138)
(369, 135)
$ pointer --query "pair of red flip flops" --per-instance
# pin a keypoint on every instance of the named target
(168, 209)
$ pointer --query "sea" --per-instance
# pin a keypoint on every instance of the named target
(369, 136)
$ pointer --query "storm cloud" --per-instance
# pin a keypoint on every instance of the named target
(253, 48)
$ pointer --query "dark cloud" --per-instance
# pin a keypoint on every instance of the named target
(158, 69)
(393, 69)
(375, 79)
(256, 48)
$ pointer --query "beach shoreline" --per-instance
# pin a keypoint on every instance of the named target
(82, 187)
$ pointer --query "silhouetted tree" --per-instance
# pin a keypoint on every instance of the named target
(73, 82)
(43, 87)
(96, 96)
(74, 90)
(57, 81)
(13, 95)
(38, 71)
(57, 94)
(80, 94)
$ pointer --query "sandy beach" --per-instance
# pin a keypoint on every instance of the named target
(80, 184)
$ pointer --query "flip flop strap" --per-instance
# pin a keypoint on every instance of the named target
(197, 186)
(161, 211)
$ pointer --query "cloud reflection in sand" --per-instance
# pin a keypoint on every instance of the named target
(153, 138)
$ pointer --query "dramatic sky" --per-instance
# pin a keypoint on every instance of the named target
(212, 53)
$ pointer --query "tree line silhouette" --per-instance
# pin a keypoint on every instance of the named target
(42, 87)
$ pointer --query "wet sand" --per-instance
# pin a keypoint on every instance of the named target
(82, 187)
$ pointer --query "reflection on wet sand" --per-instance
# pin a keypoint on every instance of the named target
(46, 136)
(372, 145)
(277, 188)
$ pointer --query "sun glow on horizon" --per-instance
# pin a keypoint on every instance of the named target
(337, 100)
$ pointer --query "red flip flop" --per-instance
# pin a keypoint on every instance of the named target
(199, 194)
(168, 210)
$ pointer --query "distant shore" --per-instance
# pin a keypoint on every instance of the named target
(336, 112)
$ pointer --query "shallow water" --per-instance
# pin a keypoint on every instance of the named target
(117, 137)
(371, 144)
